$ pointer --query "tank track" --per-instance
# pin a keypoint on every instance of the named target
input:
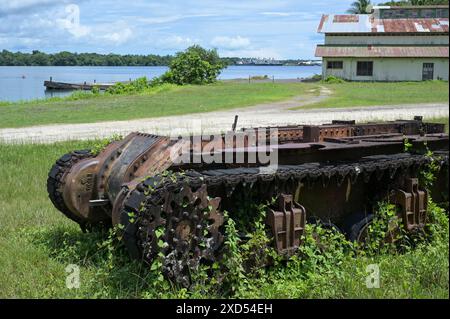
(160, 201)
(54, 182)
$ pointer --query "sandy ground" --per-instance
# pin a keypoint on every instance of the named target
(259, 115)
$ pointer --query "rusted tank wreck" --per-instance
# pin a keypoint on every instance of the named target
(334, 173)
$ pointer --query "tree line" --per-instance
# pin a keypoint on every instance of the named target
(360, 6)
(65, 58)
(37, 58)
(416, 3)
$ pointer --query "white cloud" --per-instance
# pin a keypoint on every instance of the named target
(256, 28)
(177, 42)
(277, 14)
(119, 37)
(174, 18)
(297, 14)
(158, 20)
(60, 26)
(70, 21)
(22, 7)
(231, 43)
(13, 5)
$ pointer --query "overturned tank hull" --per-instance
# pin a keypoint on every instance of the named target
(334, 173)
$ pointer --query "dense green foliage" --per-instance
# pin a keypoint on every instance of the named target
(37, 58)
(331, 79)
(415, 3)
(195, 65)
(136, 86)
(37, 243)
(360, 6)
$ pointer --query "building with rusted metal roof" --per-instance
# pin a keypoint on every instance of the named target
(408, 43)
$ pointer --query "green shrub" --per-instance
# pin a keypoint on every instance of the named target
(259, 77)
(194, 66)
(102, 144)
(95, 90)
(79, 95)
(135, 86)
(331, 79)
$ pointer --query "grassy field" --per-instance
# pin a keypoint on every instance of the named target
(172, 100)
(368, 94)
(37, 243)
(169, 100)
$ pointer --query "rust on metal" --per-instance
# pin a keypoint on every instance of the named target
(287, 222)
(323, 20)
(345, 18)
(149, 183)
(414, 25)
(348, 24)
(412, 203)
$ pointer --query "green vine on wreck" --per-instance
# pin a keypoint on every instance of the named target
(100, 145)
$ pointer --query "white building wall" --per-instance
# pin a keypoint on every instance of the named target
(387, 39)
(388, 69)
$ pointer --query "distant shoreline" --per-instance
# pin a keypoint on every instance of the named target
(149, 66)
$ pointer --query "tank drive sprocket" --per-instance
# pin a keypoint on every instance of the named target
(179, 221)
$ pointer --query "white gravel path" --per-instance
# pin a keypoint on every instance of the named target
(259, 115)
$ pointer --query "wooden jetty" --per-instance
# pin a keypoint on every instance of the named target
(51, 85)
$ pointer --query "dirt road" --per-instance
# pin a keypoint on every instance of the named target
(258, 115)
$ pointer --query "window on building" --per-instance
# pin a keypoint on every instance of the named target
(428, 13)
(364, 68)
(335, 65)
(442, 13)
(428, 71)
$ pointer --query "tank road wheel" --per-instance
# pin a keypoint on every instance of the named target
(55, 181)
(359, 229)
(190, 221)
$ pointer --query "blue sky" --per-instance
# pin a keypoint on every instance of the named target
(246, 28)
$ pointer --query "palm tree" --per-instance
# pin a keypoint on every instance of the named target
(359, 7)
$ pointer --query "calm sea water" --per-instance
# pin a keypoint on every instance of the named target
(25, 83)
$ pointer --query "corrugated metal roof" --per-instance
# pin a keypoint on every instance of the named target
(364, 23)
(335, 23)
(414, 25)
(343, 18)
(382, 52)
